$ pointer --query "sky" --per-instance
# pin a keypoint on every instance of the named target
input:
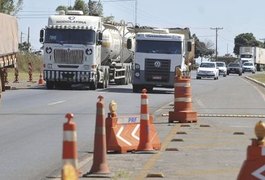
(233, 17)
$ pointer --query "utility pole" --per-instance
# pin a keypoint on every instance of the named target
(135, 13)
(216, 39)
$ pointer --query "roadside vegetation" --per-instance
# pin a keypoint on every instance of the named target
(23, 60)
(259, 77)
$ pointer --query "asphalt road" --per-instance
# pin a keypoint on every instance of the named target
(32, 120)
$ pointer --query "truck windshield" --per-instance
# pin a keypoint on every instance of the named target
(246, 56)
(70, 36)
(160, 47)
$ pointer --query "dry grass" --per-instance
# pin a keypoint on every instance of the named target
(259, 77)
(23, 60)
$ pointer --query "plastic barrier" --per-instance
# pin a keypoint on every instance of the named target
(253, 167)
(123, 132)
(182, 103)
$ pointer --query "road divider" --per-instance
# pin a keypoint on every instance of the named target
(124, 132)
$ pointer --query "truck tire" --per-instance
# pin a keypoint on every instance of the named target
(3, 87)
(106, 81)
(0, 87)
(93, 85)
(49, 85)
(136, 88)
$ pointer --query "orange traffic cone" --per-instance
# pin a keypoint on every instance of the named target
(182, 102)
(41, 80)
(70, 142)
(144, 142)
(100, 166)
(254, 166)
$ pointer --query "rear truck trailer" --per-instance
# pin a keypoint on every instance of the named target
(9, 41)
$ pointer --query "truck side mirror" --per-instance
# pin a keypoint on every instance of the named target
(129, 44)
(189, 46)
(99, 39)
(41, 35)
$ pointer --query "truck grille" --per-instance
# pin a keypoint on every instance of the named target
(62, 56)
(157, 70)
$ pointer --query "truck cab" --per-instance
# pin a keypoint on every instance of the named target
(157, 55)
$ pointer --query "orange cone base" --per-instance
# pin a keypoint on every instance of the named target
(41, 82)
(182, 117)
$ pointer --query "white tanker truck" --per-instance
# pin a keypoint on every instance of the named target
(81, 49)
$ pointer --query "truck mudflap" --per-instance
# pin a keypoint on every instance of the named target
(69, 76)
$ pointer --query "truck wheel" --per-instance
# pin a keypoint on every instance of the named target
(106, 82)
(136, 88)
(93, 85)
(49, 85)
(0, 88)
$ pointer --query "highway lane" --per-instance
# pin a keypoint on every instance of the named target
(32, 121)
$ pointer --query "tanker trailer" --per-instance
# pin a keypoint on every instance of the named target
(80, 49)
(115, 53)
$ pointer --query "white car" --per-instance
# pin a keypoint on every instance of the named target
(222, 68)
(207, 70)
(248, 67)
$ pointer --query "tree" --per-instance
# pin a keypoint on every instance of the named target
(81, 5)
(245, 39)
(202, 49)
(62, 8)
(93, 8)
(25, 47)
(10, 7)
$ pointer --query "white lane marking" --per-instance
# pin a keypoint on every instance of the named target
(54, 103)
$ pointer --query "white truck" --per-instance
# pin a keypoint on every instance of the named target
(9, 41)
(80, 49)
(255, 55)
(158, 53)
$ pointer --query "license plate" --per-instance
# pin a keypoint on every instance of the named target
(157, 77)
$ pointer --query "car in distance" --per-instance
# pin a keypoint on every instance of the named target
(234, 68)
(248, 67)
(207, 70)
(222, 68)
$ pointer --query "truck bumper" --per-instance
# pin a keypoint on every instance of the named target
(155, 81)
(69, 76)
